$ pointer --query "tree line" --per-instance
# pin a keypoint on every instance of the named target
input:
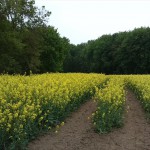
(119, 53)
(27, 44)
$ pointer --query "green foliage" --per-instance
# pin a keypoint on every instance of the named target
(120, 53)
(54, 50)
(27, 43)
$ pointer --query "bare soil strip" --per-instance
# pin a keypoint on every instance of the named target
(78, 133)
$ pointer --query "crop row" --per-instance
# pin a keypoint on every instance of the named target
(140, 85)
(111, 103)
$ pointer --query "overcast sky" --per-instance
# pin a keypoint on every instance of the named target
(83, 20)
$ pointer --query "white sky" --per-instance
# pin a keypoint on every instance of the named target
(83, 20)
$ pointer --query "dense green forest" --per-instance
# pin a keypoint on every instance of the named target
(27, 43)
(120, 53)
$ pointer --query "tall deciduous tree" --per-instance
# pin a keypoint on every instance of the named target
(54, 50)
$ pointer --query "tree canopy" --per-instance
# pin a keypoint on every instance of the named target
(119, 53)
(28, 43)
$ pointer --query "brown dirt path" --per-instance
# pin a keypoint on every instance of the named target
(78, 134)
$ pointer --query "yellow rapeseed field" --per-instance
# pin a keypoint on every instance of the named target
(36, 103)
(29, 104)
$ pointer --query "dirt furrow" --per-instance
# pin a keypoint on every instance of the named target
(78, 134)
(71, 134)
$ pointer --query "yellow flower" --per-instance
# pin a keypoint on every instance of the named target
(62, 124)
